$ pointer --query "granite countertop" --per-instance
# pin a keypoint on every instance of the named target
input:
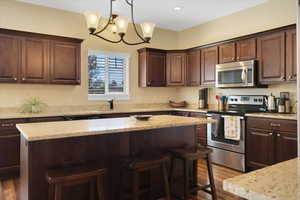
(277, 182)
(17, 115)
(54, 130)
(273, 115)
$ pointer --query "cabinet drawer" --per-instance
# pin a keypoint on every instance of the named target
(9, 151)
(272, 124)
(45, 119)
(197, 115)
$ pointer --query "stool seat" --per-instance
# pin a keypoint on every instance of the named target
(191, 153)
(73, 176)
(147, 161)
(73, 173)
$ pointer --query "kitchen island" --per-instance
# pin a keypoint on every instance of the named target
(104, 142)
(277, 182)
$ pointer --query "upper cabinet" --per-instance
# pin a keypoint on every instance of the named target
(176, 69)
(36, 58)
(35, 61)
(193, 72)
(65, 63)
(227, 53)
(271, 56)
(291, 55)
(246, 49)
(9, 58)
(209, 59)
(152, 68)
(238, 51)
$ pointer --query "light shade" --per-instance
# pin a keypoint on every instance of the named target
(122, 25)
(92, 19)
(147, 29)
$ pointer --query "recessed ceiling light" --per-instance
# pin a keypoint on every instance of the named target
(177, 8)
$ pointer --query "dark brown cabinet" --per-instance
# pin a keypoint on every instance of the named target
(246, 49)
(152, 68)
(37, 58)
(176, 69)
(270, 141)
(227, 53)
(9, 58)
(291, 55)
(271, 56)
(209, 59)
(193, 68)
(65, 63)
(201, 129)
(35, 61)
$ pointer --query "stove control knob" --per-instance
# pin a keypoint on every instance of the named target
(255, 100)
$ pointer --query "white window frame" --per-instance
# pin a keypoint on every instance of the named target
(111, 95)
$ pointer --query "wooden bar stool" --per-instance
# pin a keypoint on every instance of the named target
(191, 183)
(138, 165)
(57, 179)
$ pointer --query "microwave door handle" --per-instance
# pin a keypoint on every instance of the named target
(244, 75)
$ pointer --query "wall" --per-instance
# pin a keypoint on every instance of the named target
(27, 17)
(272, 14)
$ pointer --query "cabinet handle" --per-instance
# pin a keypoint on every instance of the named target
(278, 135)
(275, 125)
(271, 134)
(7, 125)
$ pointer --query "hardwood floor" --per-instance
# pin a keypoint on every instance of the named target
(9, 189)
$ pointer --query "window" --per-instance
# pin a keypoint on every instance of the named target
(108, 75)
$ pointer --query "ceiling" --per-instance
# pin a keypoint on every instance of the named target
(161, 12)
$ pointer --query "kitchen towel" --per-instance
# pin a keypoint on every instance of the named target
(232, 128)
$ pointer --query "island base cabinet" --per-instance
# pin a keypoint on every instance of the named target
(105, 151)
(270, 142)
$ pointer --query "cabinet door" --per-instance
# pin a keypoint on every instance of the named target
(271, 56)
(176, 64)
(227, 53)
(286, 146)
(35, 61)
(209, 59)
(291, 55)
(9, 58)
(246, 49)
(193, 68)
(65, 63)
(156, 69)
(260, 148)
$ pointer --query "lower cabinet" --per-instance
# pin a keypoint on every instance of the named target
(270, 142)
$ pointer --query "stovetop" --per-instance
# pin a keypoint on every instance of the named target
(233, 112)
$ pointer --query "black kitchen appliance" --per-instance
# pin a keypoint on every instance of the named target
(203, 98)
(226, 152)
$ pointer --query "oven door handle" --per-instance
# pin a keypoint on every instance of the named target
(241, 118)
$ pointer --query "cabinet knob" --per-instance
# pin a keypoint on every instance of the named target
(15, 79)
(278, 135)
(23, 79)
(232, 59)
(270, 133)
(149, 83)
(238, 58)
(290, 77)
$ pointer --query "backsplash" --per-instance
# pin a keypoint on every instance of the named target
(190, 94)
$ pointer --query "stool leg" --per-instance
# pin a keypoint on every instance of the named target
(171, 172)
(92, 189)
(186, 179)
(211, 178)
(100, 187)
(121, 185)
(166, 182)
(136, 185)
(58, 193)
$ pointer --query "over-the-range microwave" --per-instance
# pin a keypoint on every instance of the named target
(237, 74)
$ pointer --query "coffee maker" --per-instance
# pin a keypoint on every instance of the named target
(203, 98)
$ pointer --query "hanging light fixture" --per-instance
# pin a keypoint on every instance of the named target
(117, 24)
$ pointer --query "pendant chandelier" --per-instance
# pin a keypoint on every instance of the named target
(118, 25)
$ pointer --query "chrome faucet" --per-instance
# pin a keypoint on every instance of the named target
(111, 104)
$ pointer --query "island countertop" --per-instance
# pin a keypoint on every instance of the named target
(65, 129)
(277, 182)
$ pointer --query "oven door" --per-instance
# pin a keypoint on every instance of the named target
(218, 140)
(232, 75)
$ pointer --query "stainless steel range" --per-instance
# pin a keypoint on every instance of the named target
(231, 152)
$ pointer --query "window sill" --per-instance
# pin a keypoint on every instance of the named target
(96, 97)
